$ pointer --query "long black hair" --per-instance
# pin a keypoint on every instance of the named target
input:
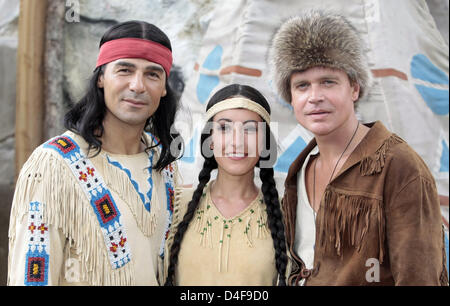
(86, 117)
(268, 187)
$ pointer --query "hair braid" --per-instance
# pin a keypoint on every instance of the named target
(203, 178)
(274, 217)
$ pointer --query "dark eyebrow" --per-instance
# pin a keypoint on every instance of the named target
(229, 120)
(252, 121)
(225, 119)
(154, 68)
(299, 81)
(131, 65)
(325, 77)
(329, 77)
(125, 64)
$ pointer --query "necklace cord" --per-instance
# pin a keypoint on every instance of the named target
(332, 173)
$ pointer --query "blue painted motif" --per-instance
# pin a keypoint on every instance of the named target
(207, 83)
(214, 59)
(205, 86)
(146, 203)
(422, 68)
(288, 156)
(189, 153)
(436, 99)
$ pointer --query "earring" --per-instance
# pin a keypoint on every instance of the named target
(211, 146)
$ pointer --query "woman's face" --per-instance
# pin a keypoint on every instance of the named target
(236, 137)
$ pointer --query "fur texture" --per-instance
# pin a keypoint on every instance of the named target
(317, 38)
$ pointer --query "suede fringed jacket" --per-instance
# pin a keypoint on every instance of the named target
(379, 221)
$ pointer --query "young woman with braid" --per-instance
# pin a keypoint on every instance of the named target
(227, 231)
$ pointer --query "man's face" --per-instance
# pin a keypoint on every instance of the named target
(323, 99)
(133, 88)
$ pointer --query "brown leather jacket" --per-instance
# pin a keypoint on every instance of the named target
(379, 221)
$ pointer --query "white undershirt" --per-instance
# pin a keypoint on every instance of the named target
(305, 227)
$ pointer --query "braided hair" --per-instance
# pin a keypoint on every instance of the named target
(203, 177)
(268, 187)
(275, 219)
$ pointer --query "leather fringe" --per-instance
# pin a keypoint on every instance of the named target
(345, 220)
(117, 180)
(374, 164)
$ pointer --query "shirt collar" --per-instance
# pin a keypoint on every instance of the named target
(374, 139)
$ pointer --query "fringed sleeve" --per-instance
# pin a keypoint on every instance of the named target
(414, 235)
(46, 179)
(35, 250)
(35, 246)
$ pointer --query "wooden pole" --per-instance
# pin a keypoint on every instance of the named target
(30, 79)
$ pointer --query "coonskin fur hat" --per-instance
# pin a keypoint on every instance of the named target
(317, 38)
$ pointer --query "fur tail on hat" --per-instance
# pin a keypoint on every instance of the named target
(317, 38)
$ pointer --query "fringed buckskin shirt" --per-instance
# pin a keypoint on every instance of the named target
(78, 220)
(379, 221)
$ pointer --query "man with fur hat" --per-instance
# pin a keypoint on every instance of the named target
(361, 207)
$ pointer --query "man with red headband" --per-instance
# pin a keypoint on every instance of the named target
(93, 205)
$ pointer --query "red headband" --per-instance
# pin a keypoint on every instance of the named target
(135, 48)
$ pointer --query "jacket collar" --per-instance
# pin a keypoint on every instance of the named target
(374, 139)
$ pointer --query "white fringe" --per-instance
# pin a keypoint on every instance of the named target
(46, 178)
(117, 180)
